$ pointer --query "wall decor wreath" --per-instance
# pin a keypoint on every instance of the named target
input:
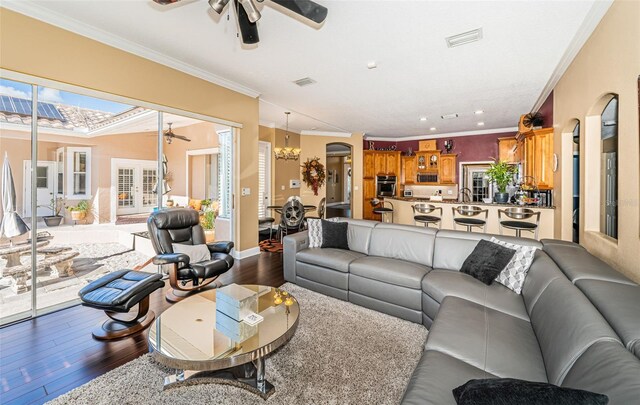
(313, 174)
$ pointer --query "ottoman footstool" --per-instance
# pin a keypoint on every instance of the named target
(116, 293)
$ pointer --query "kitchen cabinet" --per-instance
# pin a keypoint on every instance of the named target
(369, 168)
(538, 158)
(408, 170)
(448, 169)
(368, 192)
(392, 163)
(508, 150)
(428, 166)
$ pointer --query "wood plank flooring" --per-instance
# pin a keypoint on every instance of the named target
(43, 358)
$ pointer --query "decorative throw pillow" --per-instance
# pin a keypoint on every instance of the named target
(499, 391)
(513, 275)
(334, 235)
(314, 226)
(487, 261)
(196, 253)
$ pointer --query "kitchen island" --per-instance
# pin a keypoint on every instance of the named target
(403, 214)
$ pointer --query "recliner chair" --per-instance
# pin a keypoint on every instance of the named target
(182, 225)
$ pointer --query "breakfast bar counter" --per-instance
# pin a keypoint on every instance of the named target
(403, 214)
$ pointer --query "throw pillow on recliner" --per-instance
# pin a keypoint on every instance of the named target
(514, 273)
(507, 391)
(334, 235)
(487, 261)
(196, 253)
(314, 226)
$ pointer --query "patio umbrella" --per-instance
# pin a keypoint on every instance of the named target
(12, 225)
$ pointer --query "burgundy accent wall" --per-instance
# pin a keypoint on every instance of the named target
(546, 109)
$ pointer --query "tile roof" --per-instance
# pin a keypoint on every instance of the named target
(75, 118)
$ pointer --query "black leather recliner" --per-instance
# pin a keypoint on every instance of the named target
(182, 225)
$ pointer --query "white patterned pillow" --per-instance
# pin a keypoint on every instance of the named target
(314, 227)
(514, 273)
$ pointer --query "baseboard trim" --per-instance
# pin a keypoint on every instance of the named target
(243, 254)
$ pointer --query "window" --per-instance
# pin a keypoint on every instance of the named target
(225, 172)
(60, 171)
(609, 169)
(576, 183)
(264, 178)
(79, 173)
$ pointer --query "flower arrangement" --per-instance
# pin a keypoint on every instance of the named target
(313, 174)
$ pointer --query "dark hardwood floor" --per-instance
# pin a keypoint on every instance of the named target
(43, 358)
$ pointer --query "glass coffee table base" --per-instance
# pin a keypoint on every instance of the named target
(249, 376)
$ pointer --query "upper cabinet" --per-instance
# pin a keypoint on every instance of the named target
(509, 150)
(538, 158)
(381, 163)
(408, 170)
(448, 169)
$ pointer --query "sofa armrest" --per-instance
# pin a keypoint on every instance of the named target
(171, 258)
(292, 245)
(220, 247)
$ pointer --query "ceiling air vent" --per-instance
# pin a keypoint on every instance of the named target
(449, 116)
(464, 38)
(305, 81)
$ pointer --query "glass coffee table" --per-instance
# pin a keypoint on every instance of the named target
(186, 337)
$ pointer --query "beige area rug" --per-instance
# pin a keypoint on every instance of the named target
(341, 354)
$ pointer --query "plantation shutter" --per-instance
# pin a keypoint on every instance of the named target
(264, 174)
(225, 174)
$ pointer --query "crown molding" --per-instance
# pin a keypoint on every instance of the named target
(591, 21)
(59, 20)
(326, 133)
(438, 136)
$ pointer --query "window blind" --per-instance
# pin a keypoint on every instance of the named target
(264, 174)
(225, 174)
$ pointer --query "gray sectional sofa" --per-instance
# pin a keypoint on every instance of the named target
(576, 323)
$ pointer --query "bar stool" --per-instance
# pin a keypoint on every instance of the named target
(467, 212)
(421, 215)
(517, 215)
(382, 208)
(267, 221)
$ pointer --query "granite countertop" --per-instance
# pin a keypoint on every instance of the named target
(455, 201)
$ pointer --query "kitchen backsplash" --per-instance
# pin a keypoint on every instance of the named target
(428, 191)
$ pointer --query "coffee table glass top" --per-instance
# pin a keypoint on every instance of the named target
(185, 335)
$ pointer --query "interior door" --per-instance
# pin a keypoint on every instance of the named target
(45, 182)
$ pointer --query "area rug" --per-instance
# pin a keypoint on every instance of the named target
(340, 354)
(270, 245)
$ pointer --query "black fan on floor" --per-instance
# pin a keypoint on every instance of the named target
(248, 13)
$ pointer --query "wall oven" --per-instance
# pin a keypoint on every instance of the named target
(386, 186)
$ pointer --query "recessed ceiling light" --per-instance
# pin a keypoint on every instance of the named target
(372, 65)
(478, 112)
(433, 128)
(423, 118)
(480, 124)
(449, 116)
(464, 38)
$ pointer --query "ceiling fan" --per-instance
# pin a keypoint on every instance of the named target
(248, 13)
(169, 135)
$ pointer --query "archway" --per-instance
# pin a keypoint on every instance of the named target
(339, 201)
(570, 180)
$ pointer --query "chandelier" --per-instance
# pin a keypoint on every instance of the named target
(287, 153)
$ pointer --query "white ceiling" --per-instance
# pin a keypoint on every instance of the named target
(504, 74)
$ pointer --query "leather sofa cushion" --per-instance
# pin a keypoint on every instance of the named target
(620, 305)
(607, 368)
(359, 234)
(453, 247)
(120, 290)
(490, 340)
(336, 259)
(542, 272)
(403, 242)
(566, 324)
(323, 275)
(391, 271)
(577, 263)
(435, 376)
(439, 284)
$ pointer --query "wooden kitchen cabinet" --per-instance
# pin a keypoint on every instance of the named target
(369, 192)
(448, 169)
(408, 170)
(392, 163)
(508, 150)
(369, 168)
(538, 158)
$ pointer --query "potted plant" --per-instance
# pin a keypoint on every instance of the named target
(208, 223)
(56, 206)
(501, 173)
(79, 211)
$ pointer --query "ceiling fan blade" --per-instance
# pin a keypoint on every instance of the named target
(248, 29)
(306, 8)
(165, 2)
(250, 8)
(184, 138)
